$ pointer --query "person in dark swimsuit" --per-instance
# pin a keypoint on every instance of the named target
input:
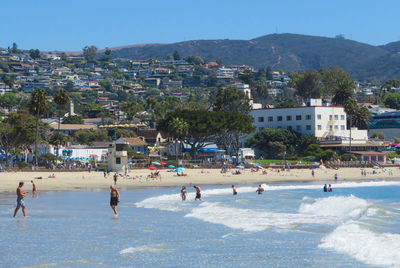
(114, 199)
(234, 190)
(260, 190)
(325, 188)
(198, 192)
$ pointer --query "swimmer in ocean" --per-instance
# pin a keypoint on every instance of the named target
(198, 192)
(260, 190)
(234, 190)
(183, 193)
(114, 199)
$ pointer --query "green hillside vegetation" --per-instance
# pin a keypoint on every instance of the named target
(287, 52)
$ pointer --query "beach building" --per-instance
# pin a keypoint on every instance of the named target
(118, 156)
(324, 122)
(387, 123)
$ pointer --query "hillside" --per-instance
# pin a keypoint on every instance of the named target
(288, 52)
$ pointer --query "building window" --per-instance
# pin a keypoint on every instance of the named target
(279, 118)
(336, 127)
(298, 117)
(342, 117)
(319, 116)
(308, 117)
(380, 158)
(373, 157)
(342, 127)
(330, 117)
(330, 127)
(261, 119)
(365, 158)
(319, 127)
(289, 118)
(118, 160)
(308, 127)
(298, 128)
(289, 127)
(336, 117)
(270, 119)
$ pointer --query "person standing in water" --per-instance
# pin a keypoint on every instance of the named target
(260, 190)
(198, 192)
(34, 193)
(20, 199)
(114, 199)
(234, 190)
(325, 188)
(115, 178)
(183, 193)
(329, 188)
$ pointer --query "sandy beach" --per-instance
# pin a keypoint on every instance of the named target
(137, 178)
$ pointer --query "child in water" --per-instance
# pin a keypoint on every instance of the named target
(183, 193)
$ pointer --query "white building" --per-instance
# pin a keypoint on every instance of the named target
(324, 122)
(246, 89)
(225, 72)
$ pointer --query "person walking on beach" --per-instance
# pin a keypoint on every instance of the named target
(260, 190)
(198, 193)
(34, 193)
(336, 176)
(183, 193)
(20, 199)
(312, 173)
(115, 178)
(114, 199)
(234, 190)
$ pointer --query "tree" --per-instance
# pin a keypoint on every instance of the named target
(378, 135)
(265, 141)
(72, 119)
(231, 99)
(38, 106)
(391, 83)
(61, 98)
(58, 139)
(34, 54)
(176, 55)
(69, 86)
(131, 108)
(14, 48)
(108, 54)
(8, 80)
(315, 150)
(178, 128)
(331, 79)
(392, 100)
(196, 60)
(307, 84)
(356, 115)
(343, 91)
(124, 133)
(106, 84)
(90, 53)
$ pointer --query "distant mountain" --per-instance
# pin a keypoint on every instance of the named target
(287, 52)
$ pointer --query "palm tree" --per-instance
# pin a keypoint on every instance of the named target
(178, 128)
(38, 105)
(61, 98)
(343, 92)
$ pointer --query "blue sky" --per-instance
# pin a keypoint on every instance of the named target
(69, 25)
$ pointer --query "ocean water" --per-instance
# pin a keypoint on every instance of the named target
(357, 225)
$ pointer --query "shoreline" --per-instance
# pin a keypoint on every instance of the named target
(85, 181)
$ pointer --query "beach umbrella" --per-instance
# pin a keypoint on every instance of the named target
(375, 167)
(163, 163)
(152, 168)
(240, 167)
(2, 156)
(171, 166)
(156, 163)
(256, 165)
(179, 169)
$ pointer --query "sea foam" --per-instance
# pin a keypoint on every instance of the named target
(381, 249)
(330, 210)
